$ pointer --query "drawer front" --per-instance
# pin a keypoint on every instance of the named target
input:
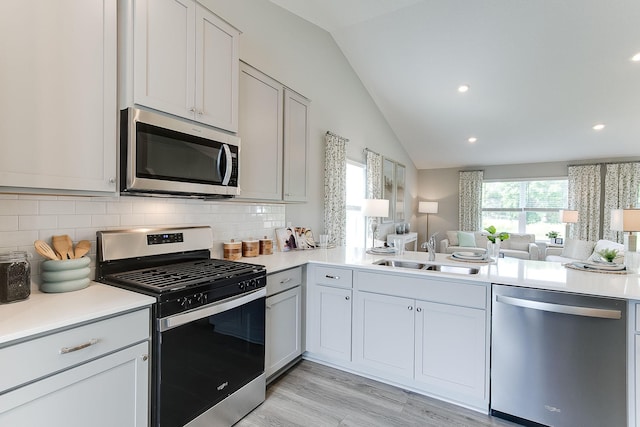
(334, 276)
(46, 355)
(283, 280)
(428, 288)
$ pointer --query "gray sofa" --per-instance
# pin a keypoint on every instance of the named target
(583, 250)
(521, 246)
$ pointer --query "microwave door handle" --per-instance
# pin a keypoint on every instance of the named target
(228, 164)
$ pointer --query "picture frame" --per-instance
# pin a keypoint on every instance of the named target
(304, 237)
(559, 241)
(399, 192)
(389, 187)
(286, 239)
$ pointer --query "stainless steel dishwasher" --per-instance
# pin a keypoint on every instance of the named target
(557, 358)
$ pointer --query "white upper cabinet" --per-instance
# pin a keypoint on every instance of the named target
(296, 141)
(181, 59)
(58, 102)
(260, 129)
(274, 128)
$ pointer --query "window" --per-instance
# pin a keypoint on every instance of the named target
(524, 206)
(355, 228)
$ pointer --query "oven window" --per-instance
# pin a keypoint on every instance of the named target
(175, 156)
(204, 361)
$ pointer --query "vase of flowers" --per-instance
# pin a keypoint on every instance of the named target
(494, 238)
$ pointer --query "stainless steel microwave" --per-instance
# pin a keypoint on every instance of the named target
(161, 155)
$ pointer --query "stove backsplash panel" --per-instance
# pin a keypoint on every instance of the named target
(26, 218)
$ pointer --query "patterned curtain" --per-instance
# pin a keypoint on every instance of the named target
(335, 192)
(584, 196)
(621, 183)
(374, 183)
(374, 175)
(470, 203)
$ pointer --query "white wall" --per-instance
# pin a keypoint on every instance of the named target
(305, 58)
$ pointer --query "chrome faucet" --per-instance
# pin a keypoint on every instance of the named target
(430, 246)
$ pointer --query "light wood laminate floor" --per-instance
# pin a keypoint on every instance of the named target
(314, 395)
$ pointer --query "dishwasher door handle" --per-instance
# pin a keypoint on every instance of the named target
(560, 308)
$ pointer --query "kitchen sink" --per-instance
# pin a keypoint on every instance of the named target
(404, 264)
(457, 269)
(415, 265)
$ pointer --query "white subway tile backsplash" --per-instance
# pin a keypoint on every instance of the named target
(25, 218)
(37, 222)
(55, 207)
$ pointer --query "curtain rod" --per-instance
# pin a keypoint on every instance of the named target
(371, 151)
(604, 163)
(337, 136)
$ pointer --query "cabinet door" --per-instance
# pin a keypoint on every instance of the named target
(450, 350)
(329, 322)
(58, 95)
(216, 72)
(260, 130)
(296, 140)
(284, 333)
(106, 392)
(164, 55)
(384, 334)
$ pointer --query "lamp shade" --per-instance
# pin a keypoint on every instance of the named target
(616, 220)
(428, 207)
(631, 220)
(569, 216)
(375, 207)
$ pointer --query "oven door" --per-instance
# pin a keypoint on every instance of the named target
(169, 156)
(206, 355)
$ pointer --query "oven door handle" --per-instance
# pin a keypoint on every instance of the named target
(210, 310)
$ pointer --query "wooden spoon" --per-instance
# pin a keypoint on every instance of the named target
(45, 250)
(62, 246)
(82, 247)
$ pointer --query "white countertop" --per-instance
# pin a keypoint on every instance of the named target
(42, 312)
(508, 271)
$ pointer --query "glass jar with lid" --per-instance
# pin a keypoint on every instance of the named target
(15, 276)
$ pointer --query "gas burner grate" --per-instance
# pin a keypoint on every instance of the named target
(181, 275)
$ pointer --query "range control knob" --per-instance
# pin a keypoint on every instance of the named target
(241, 285)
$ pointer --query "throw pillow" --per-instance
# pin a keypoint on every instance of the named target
(607, 244)
(577, 249)
(453, 238)
(466, 239)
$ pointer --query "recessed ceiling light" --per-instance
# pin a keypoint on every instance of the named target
(463, 88)
(472, 139)
(599, 126)
(636, 57)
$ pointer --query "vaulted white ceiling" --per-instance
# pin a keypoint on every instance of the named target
(541, 74)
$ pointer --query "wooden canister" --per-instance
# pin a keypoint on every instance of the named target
(233, 250)
(266, 246)
(250, 248)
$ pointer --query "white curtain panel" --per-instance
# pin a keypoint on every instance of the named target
(621, 184)
(335, 192)
(470, 202)
(584, 196)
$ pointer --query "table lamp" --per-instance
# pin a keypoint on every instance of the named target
(428, 208)
(374, 209)
(568, 217)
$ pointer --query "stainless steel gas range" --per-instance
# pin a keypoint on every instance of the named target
(208, 323)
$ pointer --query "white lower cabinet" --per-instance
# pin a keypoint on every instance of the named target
(384, 333)
(329, 310)
(110, 391)
(96, 374)
(284, 329)
(426, 333)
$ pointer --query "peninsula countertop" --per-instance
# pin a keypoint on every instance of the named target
(508, 271)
